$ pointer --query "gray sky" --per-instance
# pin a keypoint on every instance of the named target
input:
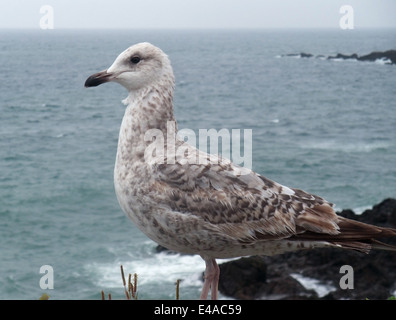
(143, 14)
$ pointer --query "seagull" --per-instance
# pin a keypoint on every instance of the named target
(191, 202)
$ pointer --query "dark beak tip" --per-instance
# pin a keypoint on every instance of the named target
(90, 82)
(97, 79)
(86, 84)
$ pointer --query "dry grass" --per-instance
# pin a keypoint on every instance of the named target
(130, 287)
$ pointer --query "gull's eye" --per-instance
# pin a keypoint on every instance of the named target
(135, 59)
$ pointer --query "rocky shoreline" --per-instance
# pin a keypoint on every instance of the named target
(282, 277)
(386, 57)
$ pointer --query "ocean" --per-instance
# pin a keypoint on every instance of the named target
(324, 126)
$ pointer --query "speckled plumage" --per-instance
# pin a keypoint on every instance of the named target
(195, 203)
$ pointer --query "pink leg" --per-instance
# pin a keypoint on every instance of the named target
(215, 281)
(212, 274)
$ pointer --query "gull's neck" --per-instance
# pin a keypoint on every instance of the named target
(149, 108)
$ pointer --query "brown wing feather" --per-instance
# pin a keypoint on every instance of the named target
(246, 206)
(319, 219)
(249, 207)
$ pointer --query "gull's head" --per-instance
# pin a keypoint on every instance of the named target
(140, 66)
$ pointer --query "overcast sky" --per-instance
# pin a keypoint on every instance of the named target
(143, 14)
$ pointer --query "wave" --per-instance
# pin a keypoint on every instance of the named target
(322, 289)
(346, 147)
(157, 274)
(383, 61)
(360, 210)
(296, 55)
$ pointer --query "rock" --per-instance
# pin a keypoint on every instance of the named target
(379, 55)
(159, 249)
(243, 277)
(343, 56)
(389, 56)
(269, 277)
(306, 55)
(382, 214)
(299, 55)
(296, 55)
(246, 278)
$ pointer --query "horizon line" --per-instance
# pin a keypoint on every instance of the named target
(197, 28)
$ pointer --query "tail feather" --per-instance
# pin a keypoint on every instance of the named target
(364, 247)
(382, 246)
(358, 230)
(354, 235)
(353, 245)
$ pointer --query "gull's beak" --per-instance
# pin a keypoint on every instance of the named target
(98, 78)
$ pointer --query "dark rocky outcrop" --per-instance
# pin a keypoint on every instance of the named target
(247, 278)
(344, 56)
(389, 56)
(270, 277)
(300, 55)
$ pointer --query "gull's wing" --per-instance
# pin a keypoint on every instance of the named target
(237, 201)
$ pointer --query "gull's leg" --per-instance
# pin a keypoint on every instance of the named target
(207, 281)
(212, 273)
(215, 280)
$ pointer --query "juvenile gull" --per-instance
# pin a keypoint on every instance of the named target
(194, 203)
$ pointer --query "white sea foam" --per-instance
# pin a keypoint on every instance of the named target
(360, 210)
(334, 145)
(155, 268)
(383, 61)
(157, 273)
(319, 287)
